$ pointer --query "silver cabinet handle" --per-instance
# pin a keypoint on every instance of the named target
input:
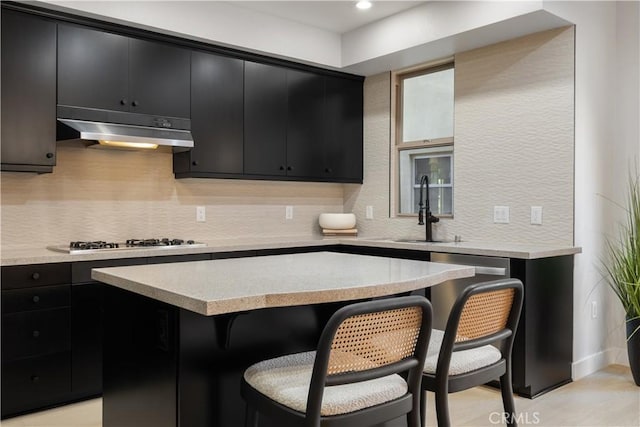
(491, 271)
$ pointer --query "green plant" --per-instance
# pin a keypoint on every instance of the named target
(623, 265)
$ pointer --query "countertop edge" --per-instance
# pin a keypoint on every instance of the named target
(275, 299)
(25, 256)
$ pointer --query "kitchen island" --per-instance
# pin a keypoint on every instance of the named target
(178, 336)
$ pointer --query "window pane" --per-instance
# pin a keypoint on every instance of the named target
(437, 168)
(440, 200)
(427, 106)
(437, 164)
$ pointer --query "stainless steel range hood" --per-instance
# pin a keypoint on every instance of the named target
(123, 130)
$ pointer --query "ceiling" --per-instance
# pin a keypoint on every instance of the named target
(335, 16)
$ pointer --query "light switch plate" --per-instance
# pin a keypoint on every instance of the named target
(501, 214)
(536, 215)
(201, 214)
(288, 212)
(369, 212)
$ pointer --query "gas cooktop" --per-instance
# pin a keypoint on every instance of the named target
(82, 247)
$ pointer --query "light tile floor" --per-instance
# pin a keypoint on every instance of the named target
(607, 398)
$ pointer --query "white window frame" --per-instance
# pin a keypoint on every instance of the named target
(397, 145)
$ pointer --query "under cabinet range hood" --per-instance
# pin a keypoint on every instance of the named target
(124, 130)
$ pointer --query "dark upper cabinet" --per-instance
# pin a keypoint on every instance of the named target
(93, 69)
(265, 119)
(28, 93)
(102, 70)
(217, 117)
(343, 129)
(302, 125)
(160, 79)
(305, 124)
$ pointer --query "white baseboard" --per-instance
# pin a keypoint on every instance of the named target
(597, 361)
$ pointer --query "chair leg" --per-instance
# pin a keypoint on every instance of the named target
(250, 417)
(442, 409)
(423, 408)
(413, 417)
(506, 389)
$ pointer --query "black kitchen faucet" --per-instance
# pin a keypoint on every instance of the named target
(423, 208)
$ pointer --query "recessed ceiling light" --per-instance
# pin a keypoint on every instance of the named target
(363, 4)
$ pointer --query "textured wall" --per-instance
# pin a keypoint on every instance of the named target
(514, 145)
(114, 195)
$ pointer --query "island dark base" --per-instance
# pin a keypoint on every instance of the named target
(543, 347)
(166, 366)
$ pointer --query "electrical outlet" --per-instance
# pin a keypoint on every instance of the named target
(594, 309)
(369, 213)
(288, 212)
(201, 214)
(536, 215)
(501, 214)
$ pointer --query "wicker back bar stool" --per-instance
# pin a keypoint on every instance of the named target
(353, 378)
(462, 356)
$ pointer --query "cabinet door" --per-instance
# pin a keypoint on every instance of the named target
(217, 85)
(343, 132)
(265, 119)
(86, 339)
(92, 69)
(35, 382)
(160, 79)
(28, 91)
(305, 124)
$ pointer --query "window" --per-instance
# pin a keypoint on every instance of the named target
(437, 164)
(424, 138)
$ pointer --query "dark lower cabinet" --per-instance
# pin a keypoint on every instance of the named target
(35, 382)
(86, 339)
(52, 331)
(36, 341)
(28, 93)
(543, 347)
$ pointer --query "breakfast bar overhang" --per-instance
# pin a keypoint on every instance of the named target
(177, 337)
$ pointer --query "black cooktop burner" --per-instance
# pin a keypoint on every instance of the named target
(98, 244)
(157, 242)
(79, 247)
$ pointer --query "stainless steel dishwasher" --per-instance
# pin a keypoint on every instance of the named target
(444, 295)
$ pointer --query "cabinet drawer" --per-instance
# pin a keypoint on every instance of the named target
(40, 298)
(36, 382)
(26, 276)
(34, 333)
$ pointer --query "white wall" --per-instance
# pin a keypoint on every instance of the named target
(220, 22)
(606, 142)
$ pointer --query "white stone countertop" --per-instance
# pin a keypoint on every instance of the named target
(239, 284)
(41, 255)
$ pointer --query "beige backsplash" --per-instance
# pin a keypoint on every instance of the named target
(114, 195)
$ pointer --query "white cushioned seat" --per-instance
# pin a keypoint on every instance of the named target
(461, 361)
(286, 380)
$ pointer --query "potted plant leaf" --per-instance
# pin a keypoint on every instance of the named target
(622, 270)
